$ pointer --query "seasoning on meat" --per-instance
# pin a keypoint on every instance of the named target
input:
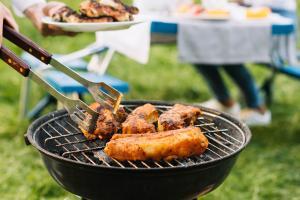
(141, 120)
(96, 11)
(107, 123)
(167, 145)
(179, 116)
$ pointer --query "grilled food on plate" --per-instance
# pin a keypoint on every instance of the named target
(97, 11)
(258, 13)
(68, 15)
(107, 123)
(167, 145)
(141, 120)
(179, 116)
(112, 8)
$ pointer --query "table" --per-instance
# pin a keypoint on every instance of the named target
(169, 26)
(282, 30)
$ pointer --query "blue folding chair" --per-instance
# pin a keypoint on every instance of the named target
(279, 65)
(65, 84)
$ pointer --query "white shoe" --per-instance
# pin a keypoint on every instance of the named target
(255, 118)
(216, 105)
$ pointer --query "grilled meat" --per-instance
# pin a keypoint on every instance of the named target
(112, 8)
(66, 14)
(137, 125)
(141, 120)
(84, 19)
(119, 5)
(178, 117)
(147, 112)
(168, 145)
(96, 11)
(107, 123)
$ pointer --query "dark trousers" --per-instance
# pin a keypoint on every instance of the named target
(240, 75)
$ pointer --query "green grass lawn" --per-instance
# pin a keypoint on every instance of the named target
(268, 169)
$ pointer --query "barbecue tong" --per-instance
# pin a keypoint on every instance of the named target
(101, 92)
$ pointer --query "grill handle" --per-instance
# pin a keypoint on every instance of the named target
(26, 44)
(12, 60)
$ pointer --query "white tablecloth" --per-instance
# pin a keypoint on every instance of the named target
(233, 41)
(224, 42)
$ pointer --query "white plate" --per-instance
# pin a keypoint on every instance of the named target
(91, 27)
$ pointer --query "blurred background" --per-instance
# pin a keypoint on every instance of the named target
(268, 169)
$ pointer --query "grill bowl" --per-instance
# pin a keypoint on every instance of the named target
(185, 181)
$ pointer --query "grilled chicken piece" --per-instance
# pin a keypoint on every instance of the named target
(168, 145)
(178, 117)
(64, 14)
(84, 19)
(147, 112)
(137, 125)
(68, 15)
(141, 120)
(119, 5)
(111, 8)
(107, 123)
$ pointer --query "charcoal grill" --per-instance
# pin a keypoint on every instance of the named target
(81, 167)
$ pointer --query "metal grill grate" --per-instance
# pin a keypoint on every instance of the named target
(62, 137)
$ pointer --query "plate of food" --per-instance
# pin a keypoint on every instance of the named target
(258, 13)
(189, 10)
(214, 14)
(100, 15)
(197, 12)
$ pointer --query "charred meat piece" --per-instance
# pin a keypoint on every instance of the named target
(95, 9)
(118, 4)
(120, 116)
(114, 9)
(137, 125)
(168, 145)
(170, 121)
(68, 15)
(107, 123)
(147, 112)
(65, 14)
(141, 120)
(84, 19)
(178, 117)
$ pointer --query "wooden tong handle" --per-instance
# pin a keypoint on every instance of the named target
(26, 44)
(12, 60)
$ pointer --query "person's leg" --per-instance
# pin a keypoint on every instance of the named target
(213, 77)
(245, 82)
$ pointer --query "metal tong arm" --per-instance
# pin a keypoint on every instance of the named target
(39, 53)
(20, 66)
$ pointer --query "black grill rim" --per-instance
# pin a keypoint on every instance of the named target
(35, 126)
